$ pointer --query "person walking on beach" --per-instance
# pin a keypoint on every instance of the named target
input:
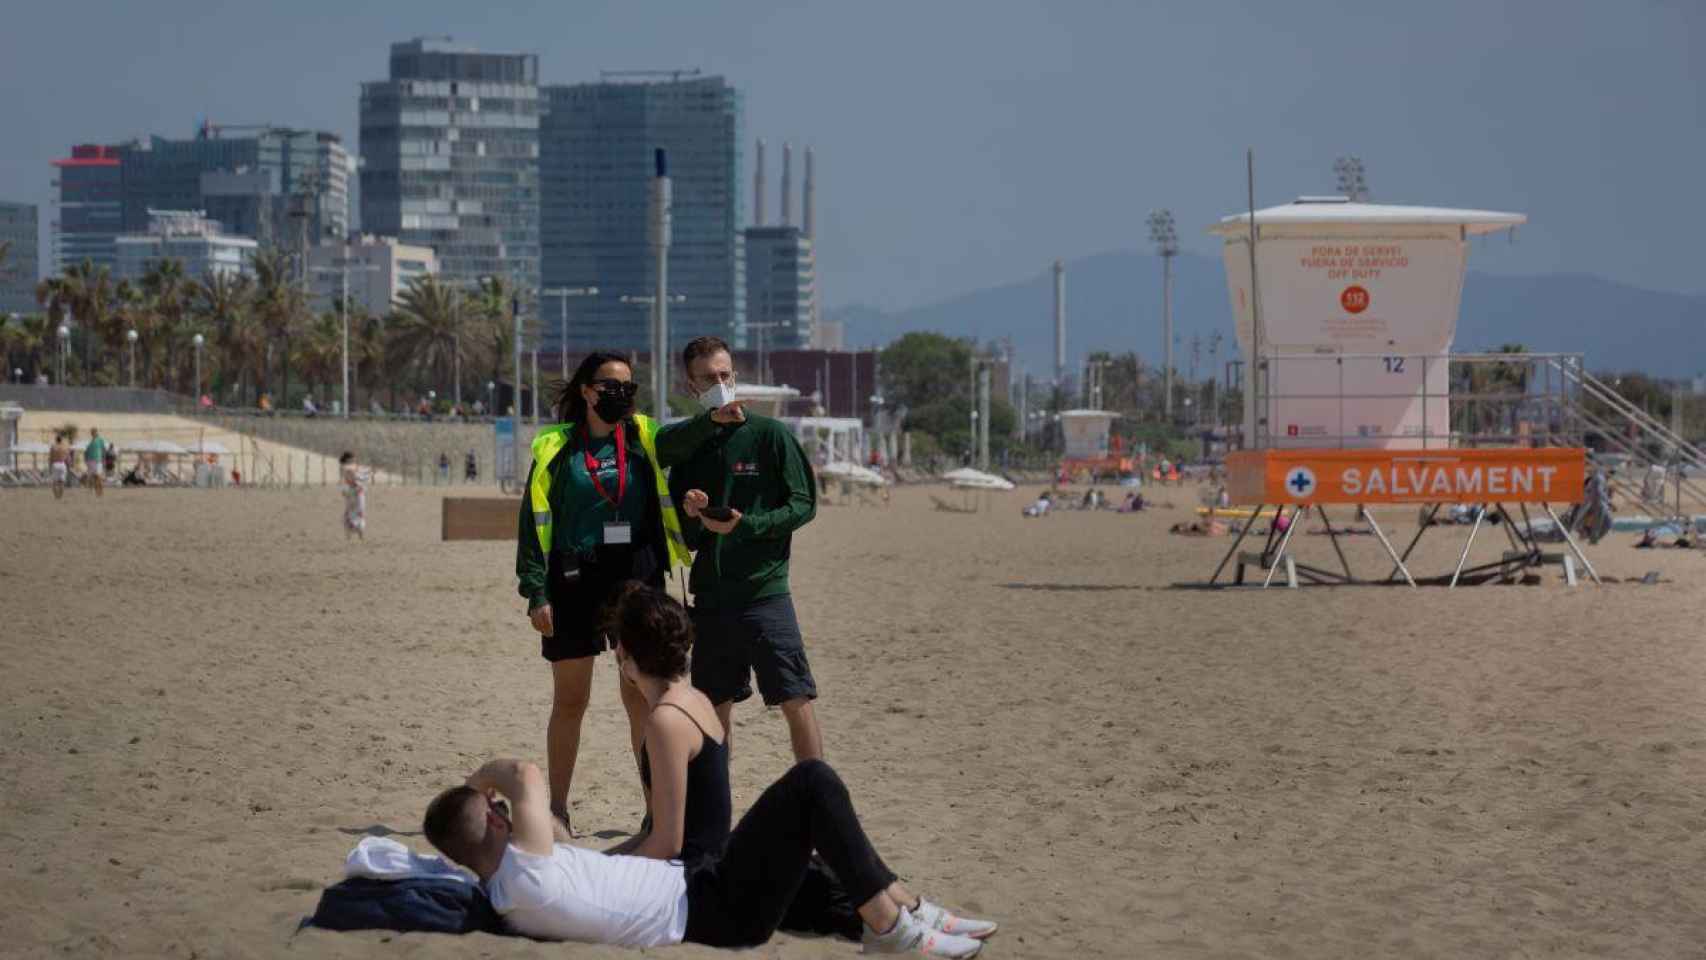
(597, 514)
(95, 462)
(353, 485)
(58, 461)
(745, 493)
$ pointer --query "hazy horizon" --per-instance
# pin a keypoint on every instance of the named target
(962, 145)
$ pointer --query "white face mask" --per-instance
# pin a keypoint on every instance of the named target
(718, 395)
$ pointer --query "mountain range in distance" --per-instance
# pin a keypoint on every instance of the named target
(1113, 303)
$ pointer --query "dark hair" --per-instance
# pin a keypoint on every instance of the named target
(346, 457)
(446, 823)
(651, 627)
(702, 347)
(569, 404)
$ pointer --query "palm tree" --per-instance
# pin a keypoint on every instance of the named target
(168, 294)
(426, 331)
(494, 301)
(279, 305)
(223, 308)
(87, 291)
(322, 351)
(367, 349)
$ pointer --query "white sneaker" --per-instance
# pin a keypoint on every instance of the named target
(937, 917)
(909, 935)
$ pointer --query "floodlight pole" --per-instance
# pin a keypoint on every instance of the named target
(660, 237)
(1166, 237)
(563, 294)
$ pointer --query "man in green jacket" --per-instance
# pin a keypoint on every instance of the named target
(743, 615)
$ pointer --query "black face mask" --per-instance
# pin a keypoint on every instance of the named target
(612, 408)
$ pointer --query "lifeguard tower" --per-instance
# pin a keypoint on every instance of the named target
(1347, 313)
(1087, 448)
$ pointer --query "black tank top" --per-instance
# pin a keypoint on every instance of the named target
(705, 821)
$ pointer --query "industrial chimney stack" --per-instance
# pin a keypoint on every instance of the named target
(809, 205)
(787, 184)
(758, 188)
(1059, 322)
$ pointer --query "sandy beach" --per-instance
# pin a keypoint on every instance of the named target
(209, 697)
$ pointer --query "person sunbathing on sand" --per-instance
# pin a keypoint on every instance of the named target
(738, 898)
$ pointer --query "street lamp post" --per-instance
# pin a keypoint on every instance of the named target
(563, 294)
(490, 388)
(342, 268)
(1166, 238)
(64, 345)
(198, 340)
(130, 338)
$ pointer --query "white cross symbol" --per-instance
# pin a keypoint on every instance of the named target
(1300, 483)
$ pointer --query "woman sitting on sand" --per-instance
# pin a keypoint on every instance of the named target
(685, 763)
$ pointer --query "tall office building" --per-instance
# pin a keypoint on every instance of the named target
(275, 185)
(18, 270)
(450, 158)
(781, 289)
(90, 213)
(596, 167)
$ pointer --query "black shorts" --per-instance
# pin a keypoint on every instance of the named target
(577, 605)
(762, 637)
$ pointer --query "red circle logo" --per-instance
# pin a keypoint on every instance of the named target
(1354, 299)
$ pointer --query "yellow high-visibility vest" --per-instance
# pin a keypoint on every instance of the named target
(551, 441)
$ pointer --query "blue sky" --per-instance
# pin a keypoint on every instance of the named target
(963, 143)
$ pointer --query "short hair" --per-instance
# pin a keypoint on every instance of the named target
(446, 823)
(702, 347)
(652, 628)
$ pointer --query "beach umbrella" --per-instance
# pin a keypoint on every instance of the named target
(209, 446)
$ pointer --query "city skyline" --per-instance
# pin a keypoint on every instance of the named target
(952, 166)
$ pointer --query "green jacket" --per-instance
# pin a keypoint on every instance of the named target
(758, 468)
(675, 443)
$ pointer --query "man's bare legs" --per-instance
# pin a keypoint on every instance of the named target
(803, 731)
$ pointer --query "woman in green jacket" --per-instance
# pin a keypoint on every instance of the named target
(596, 515)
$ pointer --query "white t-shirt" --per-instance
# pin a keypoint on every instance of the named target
(584, 895)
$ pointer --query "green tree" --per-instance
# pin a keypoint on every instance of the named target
(425, 331)
(222, 308)
(493, 324)
(924, 369)
(280, 307)
(88, 292)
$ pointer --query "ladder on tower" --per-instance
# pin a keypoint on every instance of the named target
(1681, 493)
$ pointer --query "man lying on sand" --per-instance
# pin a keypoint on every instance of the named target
(554, 891)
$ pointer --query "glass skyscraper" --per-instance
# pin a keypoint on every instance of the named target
(781, 288)
(450, 159)
(91, 206)
(18, 271)
(596, 167)
(269, 183)
(273, 185)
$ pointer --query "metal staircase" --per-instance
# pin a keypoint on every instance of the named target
(1631, 431)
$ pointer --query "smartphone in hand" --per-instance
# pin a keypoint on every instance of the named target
(718, 514)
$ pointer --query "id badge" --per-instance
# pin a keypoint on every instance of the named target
(618, 533)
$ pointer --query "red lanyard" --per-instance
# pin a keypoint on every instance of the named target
(621, 468)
